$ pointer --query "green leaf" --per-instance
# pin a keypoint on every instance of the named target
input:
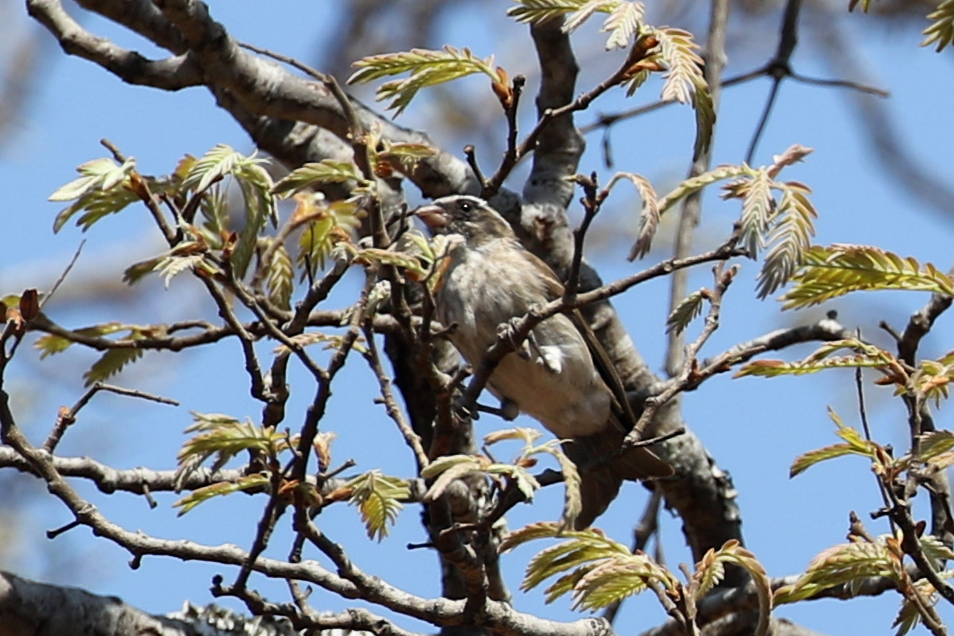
(686, 311)
(316, 174)
(201, 495)
(109, 364)
(694, 184)
(865, 356)
(830, 272)
(856, 445)
(102, 190)
(684, 81)
(536, 11)
(426, 68)
(790, 239)
(941, 30)
(935, 443)
(326, 224)
(845, 563)
(224, 437)
(279, 279)
(710, 570)
(377, 497)
(649, 214)
(615, 579)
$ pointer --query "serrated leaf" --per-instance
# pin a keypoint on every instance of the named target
(215, 164)
(325, 225)
(377, 498)
(685, 312)
(829, 272)
(866, 355)
(856, 445)
(694, 184)
(789, 240)
(809, 459)
(845, 563)
(171, 266)
(581, 550)
(50, 344)
(941, 30)
(935, 443)
(201, 495)
(426, 68)
(316, 174)
(536, 11)
(710, 570)
(280, 277)
(622, 24)
(615, 579)
(648, 215)
(102, 190)
(110, 363)
(758, 206)
(224, 437)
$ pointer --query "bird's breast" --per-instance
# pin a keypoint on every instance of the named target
(554, 380)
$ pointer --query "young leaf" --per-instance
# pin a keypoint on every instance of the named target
(623, 23)
(942, 27)
(426, 68)
(536, 11)
(865, 356)
(50, 344)
(201, 495)
(790, 240)
(224, 436)
(845, 563)
(649, 214)
(102, 190)
(686, 311)
(710, 570)
(684, 81)
(377, 497)
(279, 279)
(830, 272)
(109, 364)
(758, 207)
(614, 579)
(856, 445)
(316, 174)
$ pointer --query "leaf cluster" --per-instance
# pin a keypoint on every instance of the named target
(597, 571)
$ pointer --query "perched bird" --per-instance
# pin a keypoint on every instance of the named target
(557, 375)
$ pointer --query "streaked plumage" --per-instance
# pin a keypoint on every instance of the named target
(553, 376)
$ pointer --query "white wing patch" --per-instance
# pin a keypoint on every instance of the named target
(551, 358)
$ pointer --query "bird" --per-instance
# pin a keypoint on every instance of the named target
(559, 375)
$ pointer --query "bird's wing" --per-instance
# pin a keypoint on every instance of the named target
(625, 419)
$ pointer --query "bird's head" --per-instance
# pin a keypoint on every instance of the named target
(468, 216)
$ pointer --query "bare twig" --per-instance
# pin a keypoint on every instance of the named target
(68, 416)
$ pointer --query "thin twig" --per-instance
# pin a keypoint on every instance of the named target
(412, 439)
(141, 188)
(62, 277)
(67, 417)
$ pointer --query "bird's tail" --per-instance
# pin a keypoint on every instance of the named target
(603, 469)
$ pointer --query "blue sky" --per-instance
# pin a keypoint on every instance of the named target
(753, 427)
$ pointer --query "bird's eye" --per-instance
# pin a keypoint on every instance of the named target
(466, 206)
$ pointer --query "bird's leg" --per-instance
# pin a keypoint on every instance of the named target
(507, 410)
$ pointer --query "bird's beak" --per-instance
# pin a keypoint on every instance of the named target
(433, 216)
